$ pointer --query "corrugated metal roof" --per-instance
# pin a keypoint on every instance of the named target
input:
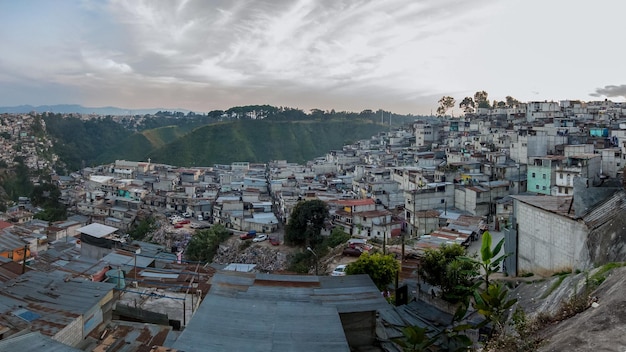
(234, 324)
(267, 312)
(54, 296)
(9, 241)
(34, 341)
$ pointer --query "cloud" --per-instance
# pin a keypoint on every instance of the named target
(341, 54)
(610, 91)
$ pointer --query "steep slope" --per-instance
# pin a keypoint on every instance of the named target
(262, 141)
(596, 329)
(561, 315)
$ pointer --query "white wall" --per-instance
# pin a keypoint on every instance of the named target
(549, 243)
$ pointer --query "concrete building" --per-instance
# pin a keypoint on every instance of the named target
(98, 240)
(426, 134)
(613, 161)
(556, 234)
(583, 165)
(542, 110)
(541, 174)
(433, 196)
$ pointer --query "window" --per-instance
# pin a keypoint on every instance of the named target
(443, 201)
(544, 188)
(561, 176)
(537, 186)
(566, 190)
(544, 176)
(533, 175)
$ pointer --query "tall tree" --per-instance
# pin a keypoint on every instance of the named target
(445, 104)
(512, 102)
(481, 99)
(467, 104)
(306, 222)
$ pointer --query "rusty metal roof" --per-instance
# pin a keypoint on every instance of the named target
(34, 341)
(51, 300)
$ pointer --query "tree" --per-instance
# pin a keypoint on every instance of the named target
(382, 269)
(445, 268)
(481, 99)
(203, 245)
(512, 102)
(445, 103)
(142, 228)
(306, 222)
(467, 104)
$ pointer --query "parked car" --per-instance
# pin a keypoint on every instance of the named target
(249, 235)
(260, 238)
(186, 221)
(274, 241)
(178, 226)
(352, 252)
(340, 270)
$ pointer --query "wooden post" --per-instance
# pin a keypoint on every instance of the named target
(24, 259)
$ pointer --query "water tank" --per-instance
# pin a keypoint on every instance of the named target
(116, 276)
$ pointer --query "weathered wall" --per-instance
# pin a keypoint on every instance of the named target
(549, 243)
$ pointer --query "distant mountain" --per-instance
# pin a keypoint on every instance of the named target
(79, 109)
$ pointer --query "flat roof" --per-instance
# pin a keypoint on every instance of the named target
(97, 230)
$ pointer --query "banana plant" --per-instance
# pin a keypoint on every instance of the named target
(492, 303)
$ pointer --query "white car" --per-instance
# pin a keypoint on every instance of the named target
(259, 238)
(340, 270)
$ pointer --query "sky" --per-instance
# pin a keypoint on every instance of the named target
(348, 55)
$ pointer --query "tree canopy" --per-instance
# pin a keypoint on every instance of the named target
(445, 104)
(203, 245)
(446, 268)
(481, 99)
(467, 104)
(382, 269)
(306, 222)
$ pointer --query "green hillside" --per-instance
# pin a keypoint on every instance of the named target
(216, 138)
(262, 141)
(138, 145)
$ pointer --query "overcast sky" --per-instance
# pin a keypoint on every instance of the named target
(397, 55)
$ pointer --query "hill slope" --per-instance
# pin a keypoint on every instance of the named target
(262, 141)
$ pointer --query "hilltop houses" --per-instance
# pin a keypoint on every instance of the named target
(548, 175)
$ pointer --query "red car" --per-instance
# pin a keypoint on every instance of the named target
(178, 226)
(247, 236)
(352, 252)
(186, 221)
(274, 241)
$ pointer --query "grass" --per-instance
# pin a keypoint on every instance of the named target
(599, 277)
(554, 286)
